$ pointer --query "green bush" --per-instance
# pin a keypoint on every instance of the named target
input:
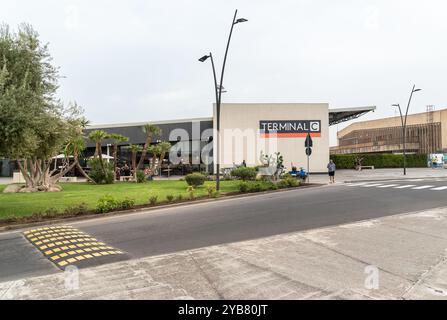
(243, 187)
(192, 192)
(106, 203)
(141, 177)
(385, 160)
(282, 184)
(179, 197)
(195, 179)
(212, 192)
(76, 209)
(292, 182)
(100, 176)
(271, 186)
(153, 199)
(125, 204)
(244, 173)
(288, 182)
(170, 198)
(255, 186)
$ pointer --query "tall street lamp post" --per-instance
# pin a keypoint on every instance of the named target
(218, 88)
(403, 121)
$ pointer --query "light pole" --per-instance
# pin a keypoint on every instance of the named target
(218, 87)
(403, 121)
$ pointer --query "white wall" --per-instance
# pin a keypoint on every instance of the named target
(241, 139)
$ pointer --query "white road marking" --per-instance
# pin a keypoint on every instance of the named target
(372, 185)
(439, 188)
(406, 186)
(356, 184)
(388, 186)
(422, 187)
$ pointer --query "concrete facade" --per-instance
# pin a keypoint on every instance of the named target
(426, 133)
(242, 139)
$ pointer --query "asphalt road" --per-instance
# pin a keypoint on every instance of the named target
(199, 225)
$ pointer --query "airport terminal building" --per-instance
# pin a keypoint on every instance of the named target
(247, 130)
(426, 133)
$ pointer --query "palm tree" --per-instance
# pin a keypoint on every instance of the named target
(135, 148)
(158, 152)
(164, 148)
(98, 136)
(151, 131)
(117, 139)
(75, 147)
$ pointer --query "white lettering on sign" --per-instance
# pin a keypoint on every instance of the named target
(290, 128)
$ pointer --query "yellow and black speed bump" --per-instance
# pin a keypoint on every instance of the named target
(65, 245)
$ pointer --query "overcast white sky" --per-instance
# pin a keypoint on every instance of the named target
(132, 60)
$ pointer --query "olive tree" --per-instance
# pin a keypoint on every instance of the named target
(34, 125)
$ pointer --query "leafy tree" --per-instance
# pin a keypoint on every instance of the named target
(34, 124)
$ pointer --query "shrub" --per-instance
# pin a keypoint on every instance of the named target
(97, 173)
(153, 199)
(252, 186)
(244, 173)
(127, 203)
(170, 198)
(76, 209)
(212, 192)
(282, 184)
(386, 160)
(192, 192)
(106, 203)
(288, 182)
(270, 186)
(195, 179)
(243, 187)
(179, 197)
(141, 177)
(257, 187)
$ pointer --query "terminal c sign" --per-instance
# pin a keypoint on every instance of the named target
(289, 128)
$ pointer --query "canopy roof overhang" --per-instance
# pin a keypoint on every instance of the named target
(345, 114)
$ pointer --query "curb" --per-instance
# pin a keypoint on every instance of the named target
(14, 227)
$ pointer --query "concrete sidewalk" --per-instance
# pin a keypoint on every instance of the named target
(380, 174)
(407, 251)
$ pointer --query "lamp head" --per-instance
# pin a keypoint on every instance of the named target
(204, 58)
(240, 20)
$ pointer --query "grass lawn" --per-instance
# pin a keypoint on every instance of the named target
(25, 204)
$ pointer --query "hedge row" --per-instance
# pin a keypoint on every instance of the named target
(387, 160)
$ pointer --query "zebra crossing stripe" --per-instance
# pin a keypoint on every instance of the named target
(356, 184)
(396, 186)
(439, 188)
(405, 186)
(422, 187)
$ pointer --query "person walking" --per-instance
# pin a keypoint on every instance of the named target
(331, 170)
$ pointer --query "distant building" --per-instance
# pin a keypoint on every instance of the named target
(426, 133)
